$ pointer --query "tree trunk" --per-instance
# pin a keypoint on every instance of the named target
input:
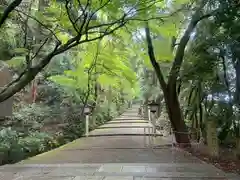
(176, 119)
(34, 91)
(170, 93)
(159, 101)
(212, 139)
(236, 62)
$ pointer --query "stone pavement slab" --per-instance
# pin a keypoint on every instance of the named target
(111, 171)
(121, 130)
(127, 122)
(118, 151)
(128, 118)
(123, 124)
(88, 178)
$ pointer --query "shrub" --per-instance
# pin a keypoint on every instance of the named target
(34, 112)
(29, 118)
(14, 148)
(9, 147)
(37, 143)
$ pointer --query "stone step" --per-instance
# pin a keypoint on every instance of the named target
(178, 175)
(144, 171)
(123, 134)
(109, 166)
(121, 127)
(129, 118)
(129, 121)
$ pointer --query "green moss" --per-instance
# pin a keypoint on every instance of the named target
(58, 152)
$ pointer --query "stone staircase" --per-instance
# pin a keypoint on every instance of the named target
(114, 151)
(133, 171)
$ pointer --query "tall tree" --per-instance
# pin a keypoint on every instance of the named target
(68, 24)
(169, 87)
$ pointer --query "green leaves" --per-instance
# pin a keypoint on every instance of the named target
(63, 37)
(16, 61)
(163, 49)
(63, 80)
(22, 51)
(104, 62)
(106, 81)
(19, 59)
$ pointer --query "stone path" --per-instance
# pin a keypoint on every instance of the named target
(109, 157)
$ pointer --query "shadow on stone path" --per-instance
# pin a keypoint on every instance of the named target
(113, 158)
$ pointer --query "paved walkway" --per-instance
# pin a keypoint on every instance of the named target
(123, 156)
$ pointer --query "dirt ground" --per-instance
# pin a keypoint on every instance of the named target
(226, 160)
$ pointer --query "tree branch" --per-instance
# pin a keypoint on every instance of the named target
(196, 18)
(69, 16)
(8, 10)
(26, 77)
(40, 23)
(153, 59)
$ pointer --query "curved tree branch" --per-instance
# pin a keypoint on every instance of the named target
(153, 60)
(196, 18)
(28, 75)
(8, 10)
